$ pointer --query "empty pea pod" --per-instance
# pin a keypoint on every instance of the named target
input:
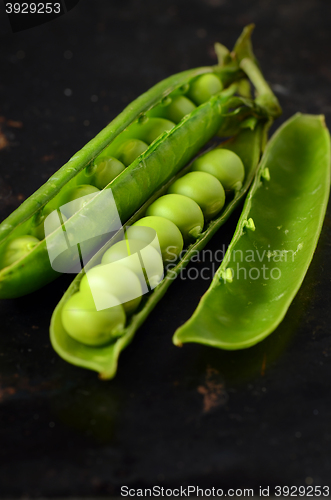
(273, 244)
(203, 88)
(170, 147)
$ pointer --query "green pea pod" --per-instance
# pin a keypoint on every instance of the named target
(223, 113)
(273, 244)
(247, 144)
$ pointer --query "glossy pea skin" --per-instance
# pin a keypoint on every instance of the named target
(178, 107)
(182, 211)
(287, 203)
(173, 108)
(204, 189)
(156, 128)
(130, 150)
(204, 87)
(18, 248)
(83, 322)
(169, 236)
(77, 196)
(107, 168)
(117, 280)
(120, 251)
(223, 164)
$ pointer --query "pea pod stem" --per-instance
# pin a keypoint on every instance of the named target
(265, 97)
(243, 54)
(243, 46)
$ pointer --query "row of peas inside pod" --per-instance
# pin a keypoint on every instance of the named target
(121, 153)
(112, 291)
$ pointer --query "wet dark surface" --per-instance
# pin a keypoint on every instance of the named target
(171, 416)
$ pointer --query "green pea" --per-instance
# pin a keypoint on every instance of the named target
(85, 176)
(77, 196)
(179, 107)
(107, 168)
(223, 164)
(53, 222)
(156, 128)
(182, 211)
(204, 87)
(169, 236)
(17, 249)
(83, 322)
(204, 189)
(130, 150)
(115, 279)
(152, 261)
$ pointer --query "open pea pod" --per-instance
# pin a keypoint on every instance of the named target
(273, 244)
(247, 145)
(168, 151)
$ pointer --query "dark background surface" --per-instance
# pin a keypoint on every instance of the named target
(171, 416)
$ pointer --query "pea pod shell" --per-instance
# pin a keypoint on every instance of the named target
(105, 360)
(279, 226)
